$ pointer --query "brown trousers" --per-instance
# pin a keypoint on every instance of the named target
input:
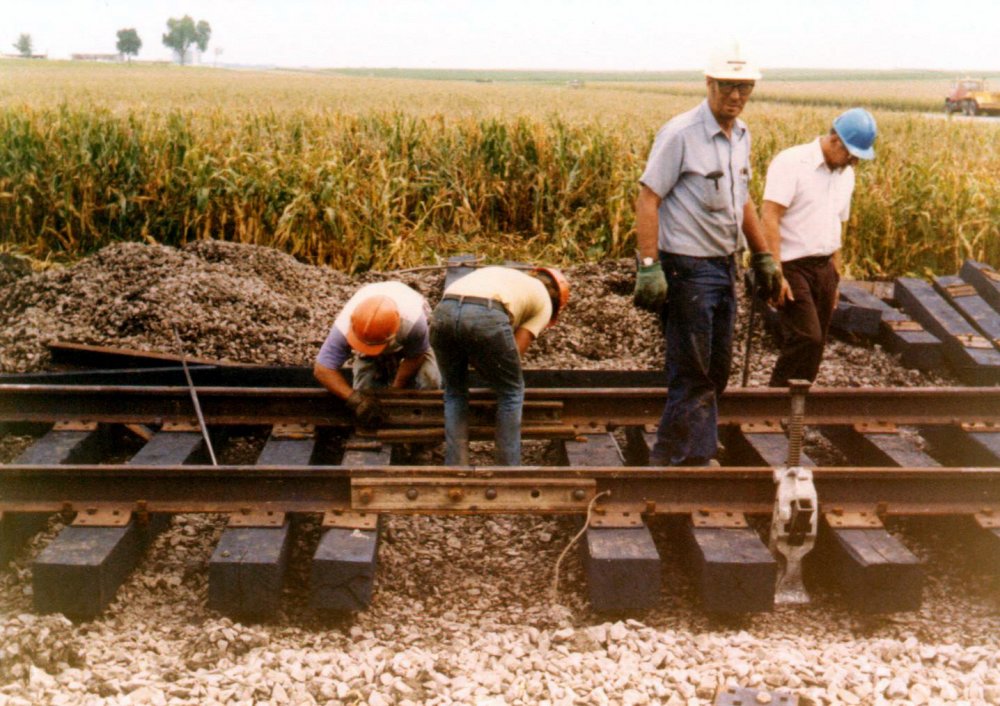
(805, 322)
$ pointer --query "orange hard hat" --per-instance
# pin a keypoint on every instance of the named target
(562, 285)
(374, 322)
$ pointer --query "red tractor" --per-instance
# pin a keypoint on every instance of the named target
(971, 97)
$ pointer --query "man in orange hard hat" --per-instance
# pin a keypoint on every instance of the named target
(385, 325)
(488, 319)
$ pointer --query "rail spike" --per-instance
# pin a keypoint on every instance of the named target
(795, 516)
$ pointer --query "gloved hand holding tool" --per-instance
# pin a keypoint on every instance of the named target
(366, 408)
(650, 285)
(767, 275)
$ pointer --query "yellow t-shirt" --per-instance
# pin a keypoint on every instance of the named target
(525, 297)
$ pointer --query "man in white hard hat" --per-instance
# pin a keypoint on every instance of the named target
(807, 200)
(385, 324)
(694, 216)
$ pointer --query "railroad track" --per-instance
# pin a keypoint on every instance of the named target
(117, 459)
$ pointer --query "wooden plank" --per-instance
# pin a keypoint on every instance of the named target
(964, 347)
(81, 354)
(985, 279)
(622, 564)
(79, 572)
(879, 448)
(899, 334)
(771, 448)
(246, 573)
(972, 448)
(343, 570)
(344, 565)
(593, 450)
(855, 321)
(966, 301)
(623, 569)
(735, 571)
(52, 448)
(876, 573)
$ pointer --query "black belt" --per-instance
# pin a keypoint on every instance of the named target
(810, 260)
(481, 301)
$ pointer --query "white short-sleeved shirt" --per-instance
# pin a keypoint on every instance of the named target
(410, 341)
(702, 177)
(818, 200)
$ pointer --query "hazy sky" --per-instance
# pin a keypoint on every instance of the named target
(557, 34)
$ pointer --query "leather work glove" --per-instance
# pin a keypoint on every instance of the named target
(650, 287)
(767, 274)
(366, 408)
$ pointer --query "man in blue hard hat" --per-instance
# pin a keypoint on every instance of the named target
(694, 216)
(807, 200)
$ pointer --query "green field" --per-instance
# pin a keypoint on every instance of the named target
(403, 168)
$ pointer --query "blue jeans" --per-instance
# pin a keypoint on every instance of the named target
(379, 371)
(698, 330)
(464, 333)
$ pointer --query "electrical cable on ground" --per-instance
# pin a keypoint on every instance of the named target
(586, 524)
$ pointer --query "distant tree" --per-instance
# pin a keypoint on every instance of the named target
(23, 45)
(129, 43)
(184, 32)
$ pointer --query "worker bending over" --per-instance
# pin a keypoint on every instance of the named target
(807, 199)
(386, 325)
(488, 319)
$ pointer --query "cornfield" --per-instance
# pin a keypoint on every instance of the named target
(382, 173)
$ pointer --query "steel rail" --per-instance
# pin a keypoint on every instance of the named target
(464, 490)
(582, 407)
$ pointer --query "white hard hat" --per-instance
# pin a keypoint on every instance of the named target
(729, 64)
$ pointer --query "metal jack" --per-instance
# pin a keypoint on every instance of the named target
(794, 521)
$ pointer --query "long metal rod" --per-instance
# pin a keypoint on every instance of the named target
(889, 491)
(194, 398)
(583, 407)
(750, 325)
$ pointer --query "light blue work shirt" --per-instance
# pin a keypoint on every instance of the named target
(700, 215)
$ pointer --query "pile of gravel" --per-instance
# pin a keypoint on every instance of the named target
(464, 610)
(257, 305)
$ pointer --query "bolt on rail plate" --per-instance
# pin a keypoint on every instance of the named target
(616, 516)
(293, 431)
(103, 517)
(257, 518)
(471, 494)
(187, 426)
(853, 519)
(719, 519)
(988, 518)
(75, 425)
(348, 519)
(905, 325)
(876, 428)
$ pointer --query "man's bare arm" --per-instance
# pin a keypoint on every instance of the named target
(333, 380)
(647, 222)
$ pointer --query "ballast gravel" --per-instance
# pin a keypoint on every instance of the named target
(465, 609)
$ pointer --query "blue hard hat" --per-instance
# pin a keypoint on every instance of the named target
(856, 129)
